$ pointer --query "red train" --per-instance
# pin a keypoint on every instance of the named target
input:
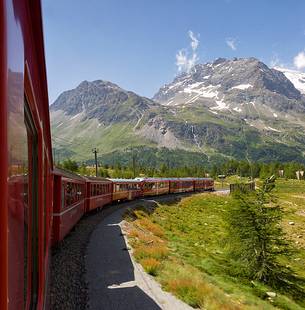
(26, 180)
(72, 192)
(40, 205)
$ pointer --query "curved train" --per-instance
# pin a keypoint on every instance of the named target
(75, 195)
(39, 204)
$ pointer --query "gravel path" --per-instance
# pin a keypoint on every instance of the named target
(68, 289)
(115, 280)
(92, 269)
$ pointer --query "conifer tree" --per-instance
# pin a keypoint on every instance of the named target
(256, 240)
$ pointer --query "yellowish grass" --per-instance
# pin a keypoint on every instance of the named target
(150, 226)
(151, 251)
(150, 265)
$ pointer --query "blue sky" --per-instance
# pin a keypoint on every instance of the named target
(135, 43)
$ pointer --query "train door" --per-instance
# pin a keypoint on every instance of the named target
(31, 216)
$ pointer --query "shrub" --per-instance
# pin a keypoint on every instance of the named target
(150, 265)
(150, 226)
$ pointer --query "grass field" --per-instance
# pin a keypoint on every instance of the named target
(183, 246)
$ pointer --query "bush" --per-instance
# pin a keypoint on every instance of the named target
(150, 265)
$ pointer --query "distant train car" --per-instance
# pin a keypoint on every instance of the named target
(25, 158)
(69, 202)
(181, 185)
(126, 189)
(203, 184)
(155, 186)
(99, 193)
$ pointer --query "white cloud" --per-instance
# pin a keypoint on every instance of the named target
(299, 60)
(231, 42)
(194, 40)
(275, 61)
(184, 61)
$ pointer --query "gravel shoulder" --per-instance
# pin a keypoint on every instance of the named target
(92, 268)
(68, 288)
(115, 280)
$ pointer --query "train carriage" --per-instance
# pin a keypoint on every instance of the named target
(181, 185)
(155, 186)
(203, 184)
(99, 192)
(25, 158)
(69, 202)
(126, 189)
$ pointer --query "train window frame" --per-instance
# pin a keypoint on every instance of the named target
(32, 286)
(63, 200)
(45, 209)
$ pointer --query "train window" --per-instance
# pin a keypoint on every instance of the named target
(63, 195)
(68, 194)
(31, 216)
(45, 178)
(74, 195)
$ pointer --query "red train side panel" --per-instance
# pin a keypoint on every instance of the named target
(69, 202)
(203, 184)
(99, 193)
(181, 185)
(26, 158)
(124, 189)
(155, 186)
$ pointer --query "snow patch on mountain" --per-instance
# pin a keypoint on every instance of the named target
(297, 78)
(221, 105)
(198, 88)
(242, 86)
(272, 129)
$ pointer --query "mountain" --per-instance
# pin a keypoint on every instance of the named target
(237, 108)
(236, 86)
(296, 78)
(104, 101)
(101, 114)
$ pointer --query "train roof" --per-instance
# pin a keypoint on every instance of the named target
(97, 179)
(68, 174)
(172, 179)
(125, 180)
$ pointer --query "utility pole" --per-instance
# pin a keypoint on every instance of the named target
(133, 162)
(95, 151)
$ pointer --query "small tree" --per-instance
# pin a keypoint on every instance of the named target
(70, 165)
(256, 238)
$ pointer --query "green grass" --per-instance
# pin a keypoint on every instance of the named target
(195, 267)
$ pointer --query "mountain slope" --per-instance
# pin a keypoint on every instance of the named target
(297, 78)
(236, 108)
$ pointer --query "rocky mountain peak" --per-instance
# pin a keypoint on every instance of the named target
(101, 100)
(232, 85)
